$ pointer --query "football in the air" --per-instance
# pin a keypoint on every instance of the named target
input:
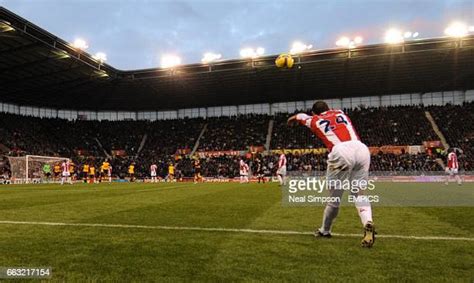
(284, 61)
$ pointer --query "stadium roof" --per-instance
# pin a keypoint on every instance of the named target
(38, 68)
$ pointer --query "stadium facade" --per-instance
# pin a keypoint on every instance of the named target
(437, 98)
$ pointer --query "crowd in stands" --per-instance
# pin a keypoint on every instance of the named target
(393, 125)
(456, 122)
(147, 142)
(235, 133)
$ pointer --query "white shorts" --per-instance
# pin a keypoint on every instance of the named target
(281, 171)
(243, 173)
(347, 162)
(66, 174)
(153, 174)
(452, 171)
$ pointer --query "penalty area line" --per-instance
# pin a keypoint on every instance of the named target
(234, 230)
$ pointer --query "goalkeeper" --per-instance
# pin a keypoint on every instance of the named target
(47, 171)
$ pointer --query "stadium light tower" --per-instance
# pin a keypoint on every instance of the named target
(252, 53)
(80, 44)
(100, 56)
(457, 29)
(210, 57)
(394, 36)
(299, 47)
(170, 61)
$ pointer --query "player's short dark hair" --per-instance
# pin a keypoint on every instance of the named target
(319, 107)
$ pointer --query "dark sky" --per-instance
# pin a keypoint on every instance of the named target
(134, 33)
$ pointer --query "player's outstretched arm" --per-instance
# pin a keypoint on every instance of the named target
(292, 121)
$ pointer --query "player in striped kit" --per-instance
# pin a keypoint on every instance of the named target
(281, 171)
(453, 167)
(153, 169)
(244, 171)
(349, 159)
(66, 175)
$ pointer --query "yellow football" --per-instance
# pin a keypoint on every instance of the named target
(284, 61)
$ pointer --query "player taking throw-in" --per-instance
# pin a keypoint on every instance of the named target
(348, 159)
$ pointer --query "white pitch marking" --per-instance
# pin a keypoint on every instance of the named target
(252, 231)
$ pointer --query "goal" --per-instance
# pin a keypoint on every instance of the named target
(30, 168)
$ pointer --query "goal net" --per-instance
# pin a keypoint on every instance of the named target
(33, 168)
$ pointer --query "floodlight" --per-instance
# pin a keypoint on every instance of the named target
(457, 29)
(348, 43)
(170, 61)
(358, 39)
(80, 43)
(393, 36)
(100, 56)
(343, 41)
(210, 57)
(252, 53)
(299, 47)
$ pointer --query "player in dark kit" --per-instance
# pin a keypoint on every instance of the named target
(197, 171)
(259, 170)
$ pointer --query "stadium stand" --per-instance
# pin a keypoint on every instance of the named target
(235, 133)
(456, 123)
(60, 101)
(402, 125)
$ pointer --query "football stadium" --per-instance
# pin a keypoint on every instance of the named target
(234, 169)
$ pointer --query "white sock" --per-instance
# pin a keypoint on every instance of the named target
(280, 179)
(62, 181)
(365, 213)
(458, 179)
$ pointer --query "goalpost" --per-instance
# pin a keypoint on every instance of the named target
(29, 168)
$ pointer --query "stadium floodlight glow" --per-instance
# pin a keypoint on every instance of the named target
(170, 61)
(457, 29)
(100, 56)
(394, 36)
(409, 34)
(252, 53)
(299, 47)
(346, 42)
(343, 41)
(80, 43)
(210, 57)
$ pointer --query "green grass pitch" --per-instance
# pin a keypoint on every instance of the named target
(127, 253)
